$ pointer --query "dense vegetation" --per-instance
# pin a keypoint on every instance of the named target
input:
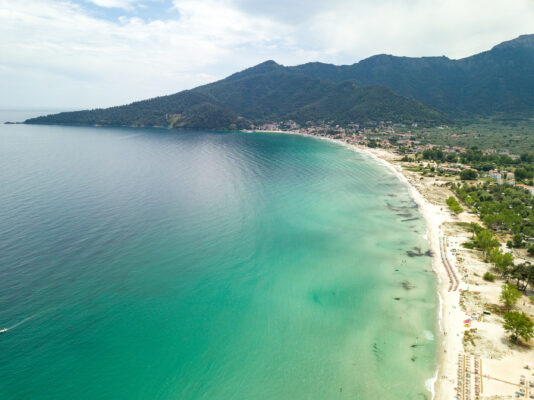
(496, 133)
(522, 167)
(502, 208)
(347, 103)
(270, 92)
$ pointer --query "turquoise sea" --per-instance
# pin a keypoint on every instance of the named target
(154, 264)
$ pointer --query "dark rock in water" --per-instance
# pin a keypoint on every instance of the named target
(392, 208)
(404, 215)
(411, 253)
(416, 252)
(413, 358)
(410, 219)
(396, 270)
(376, 351)
(407, 285)
(397, 298)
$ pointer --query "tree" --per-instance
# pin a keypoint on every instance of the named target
(468, 174)
(520, 174)
(525, 273)
(488, 276)
(474, 228)
(509, 295)
(485, 240)
(518, 240)
(518, 325)
(502, 261)
(452, 158)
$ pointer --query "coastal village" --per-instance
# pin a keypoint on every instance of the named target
(480, 355)
(394, 138)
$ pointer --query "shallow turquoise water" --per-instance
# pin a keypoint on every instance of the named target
(148, 264)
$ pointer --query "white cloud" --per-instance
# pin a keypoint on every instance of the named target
(456, 28)
(90, 61)
(56, 53)
(124, 4)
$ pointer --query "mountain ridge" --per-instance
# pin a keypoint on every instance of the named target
(451, 86)
(427, 90)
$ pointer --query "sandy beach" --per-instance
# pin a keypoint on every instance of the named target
(484, 359)
(497, 364)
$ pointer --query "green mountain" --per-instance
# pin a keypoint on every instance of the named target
(500, 80)
(427, 90)
(271, 92)
(187, 109)
(347, 102)
(268, 92)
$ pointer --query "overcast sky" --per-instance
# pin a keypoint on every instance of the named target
(89, 53)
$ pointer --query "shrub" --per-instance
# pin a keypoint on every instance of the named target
(454, 205)
(468, 174)
(488, 276)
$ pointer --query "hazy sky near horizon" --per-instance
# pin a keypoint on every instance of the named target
(88, 53)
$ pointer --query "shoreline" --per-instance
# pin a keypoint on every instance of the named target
(434, 217)
(467, 330)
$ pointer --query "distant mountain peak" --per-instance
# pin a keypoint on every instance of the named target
(268, 65)
(521, 41)
(262, 68)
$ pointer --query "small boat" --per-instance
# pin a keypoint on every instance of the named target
(3, 330)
